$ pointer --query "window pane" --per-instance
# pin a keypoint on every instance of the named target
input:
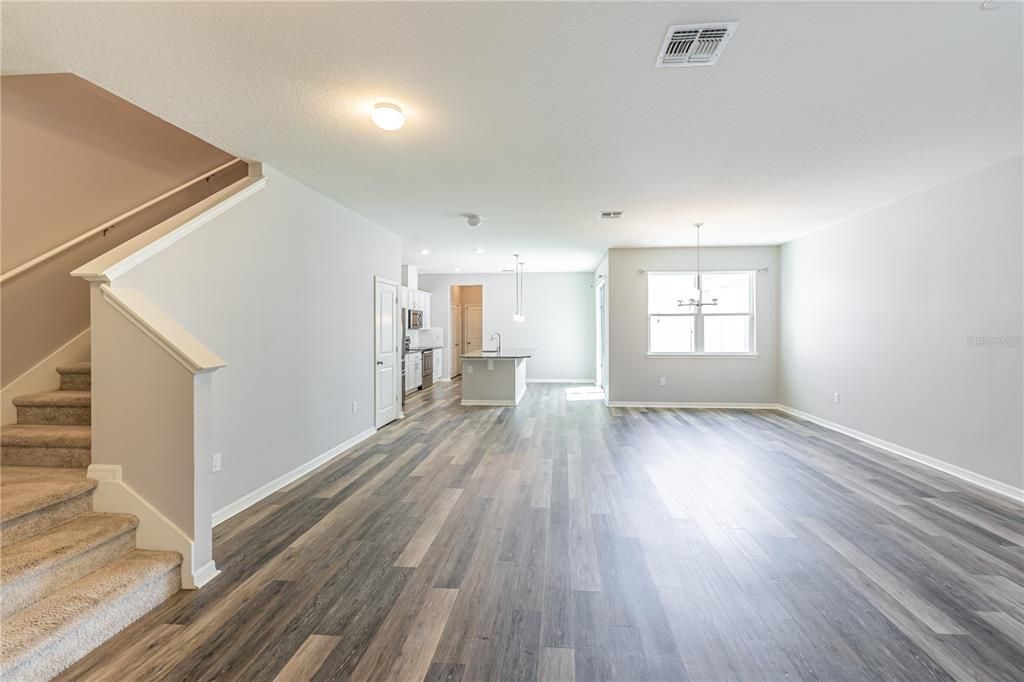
(727, 334)
(732, 289)
(666, 289)
(672, 334)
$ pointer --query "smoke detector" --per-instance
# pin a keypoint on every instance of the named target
(611, 215)
(695, 44)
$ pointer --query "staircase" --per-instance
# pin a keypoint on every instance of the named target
(70, 578)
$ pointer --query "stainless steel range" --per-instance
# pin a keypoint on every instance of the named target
(428, 369)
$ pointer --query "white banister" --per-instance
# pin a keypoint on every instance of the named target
(99, 229)
(157, 325)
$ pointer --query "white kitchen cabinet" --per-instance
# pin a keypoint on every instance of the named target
(413, 371)
(438, 364)
(405, 297)
(426, 309)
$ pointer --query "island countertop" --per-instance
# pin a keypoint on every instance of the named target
(505, 354)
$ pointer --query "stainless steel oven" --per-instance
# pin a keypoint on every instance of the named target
(415, 319)
(428, 369)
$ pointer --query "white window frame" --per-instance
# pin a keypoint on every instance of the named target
(698, 322)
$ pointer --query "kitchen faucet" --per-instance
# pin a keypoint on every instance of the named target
(499, 341)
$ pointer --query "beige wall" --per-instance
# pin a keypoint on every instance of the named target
(281, 287)
(912, 313)
(73, 157)
(635, 378)
(472, 295)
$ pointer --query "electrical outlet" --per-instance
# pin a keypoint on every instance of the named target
(835, 398)
(216, 463)
(469, 369)
(661, 382)
(355, 407)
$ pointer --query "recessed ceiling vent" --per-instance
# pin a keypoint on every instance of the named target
(695, 44)
(611, 215)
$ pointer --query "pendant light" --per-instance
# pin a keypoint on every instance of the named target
(517, 314)
(698, 301)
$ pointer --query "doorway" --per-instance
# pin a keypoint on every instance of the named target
(387, 370)
(466, 319)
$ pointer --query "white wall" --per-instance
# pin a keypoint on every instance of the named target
(281, 287)
(634, 378)
(559, 319)
(883, 308)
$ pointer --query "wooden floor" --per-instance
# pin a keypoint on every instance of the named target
(562, 540)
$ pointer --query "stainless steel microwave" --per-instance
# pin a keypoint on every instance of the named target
(415, 319)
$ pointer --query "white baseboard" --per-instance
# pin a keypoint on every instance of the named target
(989, 484)
(229, 510)
(716, 406)
(205, 573)
(155, 530)
(560, 381)
(43, 375)
(493, 403)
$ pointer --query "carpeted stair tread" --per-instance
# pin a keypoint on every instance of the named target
(55, 399)
(44, 563)
(47, 435)
(76, 368)
(43, 551)
(24, 490)
(45, 638)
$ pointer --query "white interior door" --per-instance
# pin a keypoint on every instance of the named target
(456, 312)
(474, 328)
(386, 331)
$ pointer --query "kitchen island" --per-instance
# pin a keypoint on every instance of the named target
(494, 377)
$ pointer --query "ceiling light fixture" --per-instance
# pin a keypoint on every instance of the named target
(424, 252)
(518, 315)
(478, 251)
(388, 116)
(472, 219)
(456, 269)
(698, 300)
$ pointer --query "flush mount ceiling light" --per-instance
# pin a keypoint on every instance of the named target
(478, 251)
(424, 252)
(472, 219)
(388, 116)
(456, 269)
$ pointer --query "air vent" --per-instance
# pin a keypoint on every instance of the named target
(695, 44)
(611, 215)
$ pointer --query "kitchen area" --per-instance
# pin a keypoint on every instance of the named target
(422, 345)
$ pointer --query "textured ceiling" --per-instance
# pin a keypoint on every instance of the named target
(540, 115)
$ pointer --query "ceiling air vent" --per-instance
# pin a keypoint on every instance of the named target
(611, 215)
(695, 44)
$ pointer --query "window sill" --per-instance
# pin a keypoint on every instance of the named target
(749, 356)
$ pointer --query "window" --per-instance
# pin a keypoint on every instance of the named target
(723, 329)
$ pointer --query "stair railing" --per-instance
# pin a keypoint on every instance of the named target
(112, 223)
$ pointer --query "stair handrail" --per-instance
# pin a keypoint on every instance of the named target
(103, 227)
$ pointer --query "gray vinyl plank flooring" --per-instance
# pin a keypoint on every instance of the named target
(563, 540)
